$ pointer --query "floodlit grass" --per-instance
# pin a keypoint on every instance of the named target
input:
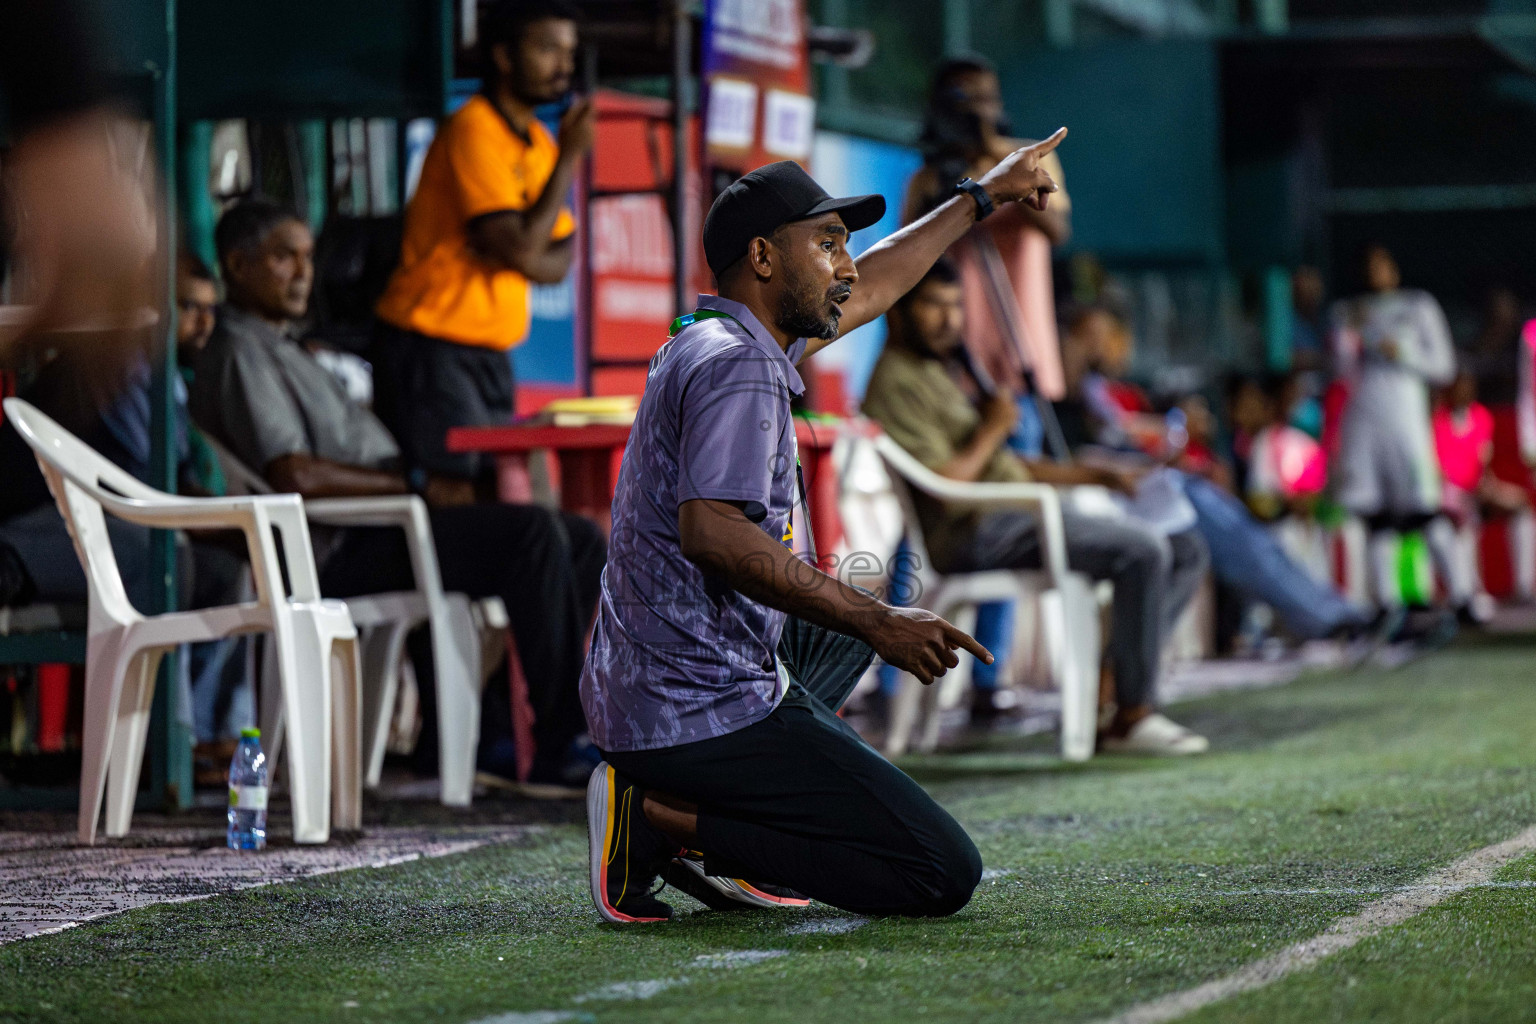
(1109, 883)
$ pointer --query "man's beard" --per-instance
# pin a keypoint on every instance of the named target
(804, 315)
(539, 93)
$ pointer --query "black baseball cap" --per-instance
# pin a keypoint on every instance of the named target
(774, 194)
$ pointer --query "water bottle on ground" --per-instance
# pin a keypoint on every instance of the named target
(248, 794)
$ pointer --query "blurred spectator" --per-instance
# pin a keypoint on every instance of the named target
(1464, 443)
(38, 561)
(1005, 261)
(487, 218)
(1525, 401)
(1308, 337)
(1286, 469)
(914, 395)
(1244, 556)
(261, 393)
(81, 223)
(1248, 412)
(197, 297)
(1391, 345)
(1492, 354)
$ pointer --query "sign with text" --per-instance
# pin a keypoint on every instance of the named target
(757, 78)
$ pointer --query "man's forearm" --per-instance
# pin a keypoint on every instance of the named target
(520, 239)
(1065, 474)
(719, 539)
(539, 221)
(314, 477)
(552, 264)
(968, 464)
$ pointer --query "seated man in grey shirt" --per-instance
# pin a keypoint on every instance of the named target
(283, 414)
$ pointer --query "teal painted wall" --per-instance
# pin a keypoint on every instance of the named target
(1143, 161)
(308, 58)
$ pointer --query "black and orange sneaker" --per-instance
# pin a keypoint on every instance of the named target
(686, 872)
(627, 852)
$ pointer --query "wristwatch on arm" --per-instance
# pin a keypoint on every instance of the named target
(984, 204)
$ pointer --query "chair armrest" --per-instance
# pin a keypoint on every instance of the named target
(177, 512)
(258, 516)
(405, 511)
(383, 510)
(1041, 498)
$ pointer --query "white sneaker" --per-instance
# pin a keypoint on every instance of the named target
(1156, 735)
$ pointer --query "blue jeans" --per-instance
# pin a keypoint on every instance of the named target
(1245, 557)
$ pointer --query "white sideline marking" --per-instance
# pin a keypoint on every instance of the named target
(1475, 870)
(1345, 891)
(624, 991)
(827, 926)
(627, 990)
(738, 957)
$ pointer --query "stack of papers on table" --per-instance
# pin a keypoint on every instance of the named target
(618, 410)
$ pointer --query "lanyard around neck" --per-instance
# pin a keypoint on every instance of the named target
(688, 320)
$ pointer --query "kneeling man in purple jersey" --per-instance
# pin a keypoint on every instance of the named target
(719, 658)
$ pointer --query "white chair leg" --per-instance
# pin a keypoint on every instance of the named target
(346, 740)
(455, 657)
(1077, 624)
(270, 710)
(132, 729)
(381, 649)
(103, 688)
(904, 710)
(928, 702)
(303, 667)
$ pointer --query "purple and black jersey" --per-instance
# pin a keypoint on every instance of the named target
(678, 656)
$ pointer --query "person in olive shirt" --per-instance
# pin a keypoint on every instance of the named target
(914, 394)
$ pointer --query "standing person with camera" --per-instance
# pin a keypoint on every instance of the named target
(965, 135)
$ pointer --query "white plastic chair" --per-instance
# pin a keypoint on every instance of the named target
(1068, 603)
(384, 621)
(315, 640)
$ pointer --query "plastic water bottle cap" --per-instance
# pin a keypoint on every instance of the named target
(250, 734)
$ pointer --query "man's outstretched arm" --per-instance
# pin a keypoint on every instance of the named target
(895, 264)
(719, 538)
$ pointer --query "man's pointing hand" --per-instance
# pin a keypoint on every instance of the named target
(1019, 176)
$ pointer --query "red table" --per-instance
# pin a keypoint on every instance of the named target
(588, 461)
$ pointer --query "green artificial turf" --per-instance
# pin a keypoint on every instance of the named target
(1109, 883)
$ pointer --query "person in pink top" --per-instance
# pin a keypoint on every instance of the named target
(1005, 263)
(1463, 430)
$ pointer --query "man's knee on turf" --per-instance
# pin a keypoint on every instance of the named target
(956, 873)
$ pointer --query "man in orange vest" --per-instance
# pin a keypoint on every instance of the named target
(488, 218)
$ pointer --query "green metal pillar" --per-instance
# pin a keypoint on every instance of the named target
(957, 27)
(317, 172)
(1278, 319)
(1058, 23)
(1273, 17)
(170, 741)
(197, 210)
